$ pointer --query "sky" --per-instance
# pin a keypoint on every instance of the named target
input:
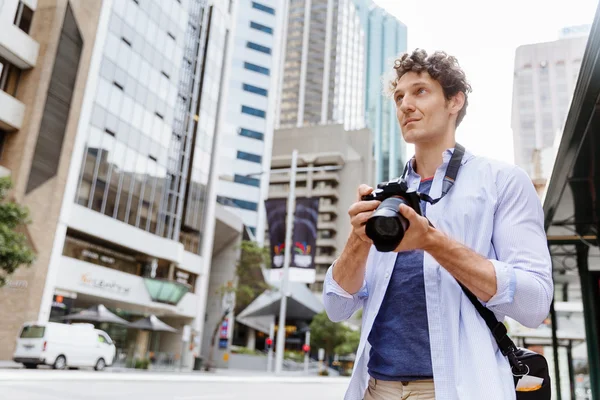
(483, 36)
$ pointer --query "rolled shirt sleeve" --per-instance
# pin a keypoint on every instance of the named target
(339, 304)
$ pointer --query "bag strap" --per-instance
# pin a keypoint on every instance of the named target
(498, 329)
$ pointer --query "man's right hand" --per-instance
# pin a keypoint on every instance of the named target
(361, 211)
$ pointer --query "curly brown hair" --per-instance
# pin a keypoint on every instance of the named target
(441, 67)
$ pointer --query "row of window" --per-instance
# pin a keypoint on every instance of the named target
(246, 180)
(258, 47)
(254, 112)
(243, 204)
(255, 89)
(255, 158)
(257, 68)
(260, 27)
(262, 7)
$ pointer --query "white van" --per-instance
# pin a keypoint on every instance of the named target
(62, 346)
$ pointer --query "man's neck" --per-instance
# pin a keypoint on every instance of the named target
(429, 156)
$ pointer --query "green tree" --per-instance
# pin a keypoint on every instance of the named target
(350, 343)
(327, 334)
(14, 249)
(247, 285)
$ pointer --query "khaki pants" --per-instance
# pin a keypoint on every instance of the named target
(394, 390)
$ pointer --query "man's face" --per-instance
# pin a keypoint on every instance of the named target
(423, 112)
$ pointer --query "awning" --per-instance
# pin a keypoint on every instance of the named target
(302, 304)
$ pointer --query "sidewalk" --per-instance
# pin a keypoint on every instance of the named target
(6, 364)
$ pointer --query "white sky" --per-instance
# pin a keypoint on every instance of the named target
(484, 35)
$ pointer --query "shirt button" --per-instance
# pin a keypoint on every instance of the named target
(387, 275)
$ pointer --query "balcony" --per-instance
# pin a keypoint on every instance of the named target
(329, 242)
(18, 47)
(276, 192)
(325, 192)
(325, 259)
(12, 112)
(285, 178)
(328, 208)
(329, 225)
(326, 176)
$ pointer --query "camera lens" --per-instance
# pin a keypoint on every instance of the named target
(386, 226)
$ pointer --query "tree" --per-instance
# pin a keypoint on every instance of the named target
(249, 283)
(350, 343)
(327, 334)
(14, 250)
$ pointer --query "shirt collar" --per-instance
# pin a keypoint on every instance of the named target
(446, 155)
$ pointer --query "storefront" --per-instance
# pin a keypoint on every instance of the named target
(133, 286)
(572, 221)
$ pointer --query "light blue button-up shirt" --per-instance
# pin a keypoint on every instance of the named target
(494, 210)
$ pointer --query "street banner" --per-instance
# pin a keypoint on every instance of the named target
(304, 238)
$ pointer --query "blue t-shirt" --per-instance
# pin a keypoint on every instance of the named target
(399, 339)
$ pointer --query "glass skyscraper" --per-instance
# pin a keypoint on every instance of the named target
(385, 39)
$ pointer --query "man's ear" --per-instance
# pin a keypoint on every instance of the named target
(456, 103)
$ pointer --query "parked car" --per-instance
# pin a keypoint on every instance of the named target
(62, 346)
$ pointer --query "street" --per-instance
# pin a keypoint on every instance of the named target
(88, 385)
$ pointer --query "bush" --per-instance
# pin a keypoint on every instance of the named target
(142, 364)
(324, 372)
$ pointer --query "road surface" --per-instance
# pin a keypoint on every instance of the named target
(86, 385)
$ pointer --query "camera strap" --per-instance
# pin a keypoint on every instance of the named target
(449, 178)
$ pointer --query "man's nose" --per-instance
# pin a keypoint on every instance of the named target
(407, 105)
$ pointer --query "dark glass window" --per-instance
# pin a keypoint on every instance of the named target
(258, 47)
(262, 7)
(242, 155)
(23, 17)
(256, 68)
(251, 134)
(243, 204)
(246, 180)
(260, 27)
(255, 89)
(254, 111)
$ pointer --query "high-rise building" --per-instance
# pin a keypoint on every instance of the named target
(349, 159)
(253, 93)
(324, 79)
(544, 79)
(116, 162)
(385, 40)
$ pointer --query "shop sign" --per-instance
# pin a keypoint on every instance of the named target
(104, 284)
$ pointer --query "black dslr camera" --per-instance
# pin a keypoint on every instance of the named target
(386, 226)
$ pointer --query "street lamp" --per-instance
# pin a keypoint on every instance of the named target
(289, 226)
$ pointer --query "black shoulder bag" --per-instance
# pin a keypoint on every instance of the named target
(523, 362)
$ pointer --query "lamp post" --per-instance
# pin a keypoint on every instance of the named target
(280, 342)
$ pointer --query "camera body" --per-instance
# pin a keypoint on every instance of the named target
(386, 226)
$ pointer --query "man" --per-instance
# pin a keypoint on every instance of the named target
(421, 337)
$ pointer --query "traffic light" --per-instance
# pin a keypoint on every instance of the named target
(306, 348)
(269, 343)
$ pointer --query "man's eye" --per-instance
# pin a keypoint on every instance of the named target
(399, 99)
(420, 91)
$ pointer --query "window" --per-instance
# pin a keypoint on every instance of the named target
(261, 28)
(255, 89)
(242, 155)
(23, 17)
(9, 77)
(243, 204)
(246, 180)
(256, 68)
(253, 111)
(33, 332)
(258, 47)
(251, 134)
(2, 139)
(262, 7)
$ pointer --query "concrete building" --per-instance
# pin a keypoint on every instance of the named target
(544, 80)
(116, 161)
(325, 145)
(324, 77)
(250, 117)
(385, 40)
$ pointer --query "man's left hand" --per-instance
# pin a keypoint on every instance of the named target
(419, 234)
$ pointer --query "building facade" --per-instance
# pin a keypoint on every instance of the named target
(133, 203)
(324, 78)
(250, 116)
(350, 160)
(544, 79)
(385, 40)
